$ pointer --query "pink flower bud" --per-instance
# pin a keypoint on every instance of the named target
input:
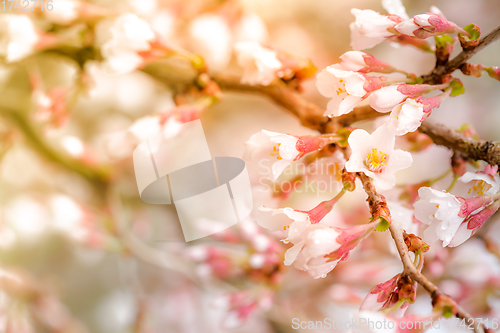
(361, 62)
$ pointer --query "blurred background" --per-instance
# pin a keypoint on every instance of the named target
(80, 251)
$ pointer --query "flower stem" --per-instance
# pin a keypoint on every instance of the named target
(452, 185)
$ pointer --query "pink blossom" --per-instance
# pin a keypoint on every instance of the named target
(385, 296)
(426, 25)
(362, 62)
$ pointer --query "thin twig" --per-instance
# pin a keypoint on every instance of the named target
(461, 58)
(408, 268)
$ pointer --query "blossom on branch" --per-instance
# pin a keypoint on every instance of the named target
(259, 64)
(374, 154)
(276, 151)
(121, 40)
(426, 25)
(362, 62)
(319, 248)
(370, 28)
(345, 88)
(453, 219)
(486, 182)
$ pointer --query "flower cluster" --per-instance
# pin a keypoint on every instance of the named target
(453, 219)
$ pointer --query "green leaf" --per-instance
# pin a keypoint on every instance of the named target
(383, 225)
(447, 311)
(457, 88)
(473, 30)
(443, 40)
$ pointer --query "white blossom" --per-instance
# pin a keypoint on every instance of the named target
(274, 151)
(344, 87)
(407, 116)
(374, 154)
(310, 248)
(287, 220)
(387, 98)
(485, 183)
(121, 40)
(18, 37)
(259, 63)
(369, 29)
(440, 211)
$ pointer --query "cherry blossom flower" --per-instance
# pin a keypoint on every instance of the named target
(440, 211)
(310, 248)
(18, 37)
(291, 222)
(453, 219)
(407, 116)
(374, 154)
(345, 88)
(426, 25)
(259, 63)
(386, 295)
(276, 151)
(486, 182)
(121, 40)
(370, 28)
(387, 98)
(362, 62)
(319, 248)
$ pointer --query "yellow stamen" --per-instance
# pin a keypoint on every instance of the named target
(376, 160)
(276, 152)
(340, 91)
(480, 187)
(286, 227)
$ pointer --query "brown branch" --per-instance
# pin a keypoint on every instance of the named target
(461, 58)
(469, 148)
(409, 269)
(310, 114)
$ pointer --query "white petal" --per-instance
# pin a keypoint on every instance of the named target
(386, 98)
(327, 83)
(461, 235)
(362, 42)
(292, 253)
(407, 27)
(348, 104)
(353, 60)
(321, 242)
(395, 7)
